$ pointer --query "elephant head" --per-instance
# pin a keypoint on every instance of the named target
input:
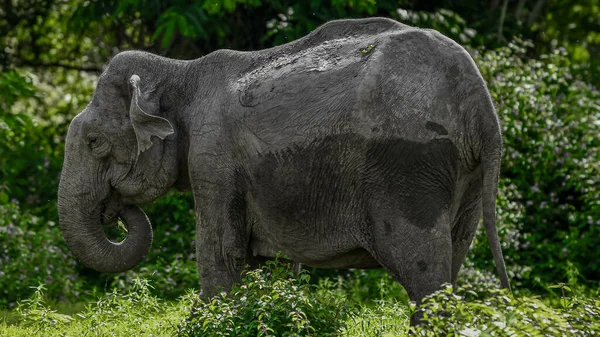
(121, 151)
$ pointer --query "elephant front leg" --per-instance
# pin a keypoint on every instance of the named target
(221, 244)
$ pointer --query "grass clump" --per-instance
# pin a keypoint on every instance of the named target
(386, 318)
(34, 313)
(135, 313)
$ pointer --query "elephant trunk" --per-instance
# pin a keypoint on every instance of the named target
(82, 229)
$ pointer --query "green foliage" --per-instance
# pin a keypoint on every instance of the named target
(387, 318)
(14, 86)
(271, 301)
(174, 225)
(447, 313)
(33, 311)
(191, 29)
(444, 21)
(272, 298)
(170, 276)
(30, 256)
(574, 26)
(137, 304)
(34, 116)
(132, 313)
(550, 180)
(372, 285)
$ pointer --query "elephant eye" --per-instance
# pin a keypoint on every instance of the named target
(98, 144)
(92, 141)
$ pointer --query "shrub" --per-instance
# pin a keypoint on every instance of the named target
(444, 21)
(447, 313)
(34, 116)
(30, 256)
(551, 165)
(271, 301)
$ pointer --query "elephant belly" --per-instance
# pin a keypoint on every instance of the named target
(315, 255)
(305, 202)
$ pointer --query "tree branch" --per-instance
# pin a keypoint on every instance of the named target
(502, 18)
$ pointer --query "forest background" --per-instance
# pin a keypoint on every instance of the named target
(540, 59)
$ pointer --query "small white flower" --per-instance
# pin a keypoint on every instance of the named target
(470, 332)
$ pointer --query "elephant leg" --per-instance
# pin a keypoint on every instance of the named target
(462, 236)
(221, 240)
(419, 258)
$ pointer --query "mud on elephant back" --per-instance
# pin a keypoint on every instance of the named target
(365, 144)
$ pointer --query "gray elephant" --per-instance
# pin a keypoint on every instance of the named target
(365, 144)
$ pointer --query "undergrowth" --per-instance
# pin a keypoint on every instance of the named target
(132, 313)
(271, 301)
(274, 301)
(447, 313)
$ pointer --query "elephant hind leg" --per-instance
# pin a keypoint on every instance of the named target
(462, 236)
(419, 258)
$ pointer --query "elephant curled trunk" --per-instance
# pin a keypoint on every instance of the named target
(87, 241)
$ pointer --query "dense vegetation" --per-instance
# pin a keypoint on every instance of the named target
(540, 60)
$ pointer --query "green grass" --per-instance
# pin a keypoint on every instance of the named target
(275, 302)
(387, 318)
(136, 313)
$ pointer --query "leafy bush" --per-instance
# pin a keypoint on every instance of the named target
(447, 313)
(477, 284)
(13, 87)
(30, 256)
(444, 21)
(271, 301)
(34, 116)
(550, 180)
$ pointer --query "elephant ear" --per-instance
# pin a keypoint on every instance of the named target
(144, 124)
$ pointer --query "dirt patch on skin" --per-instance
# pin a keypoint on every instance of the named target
(266, 82)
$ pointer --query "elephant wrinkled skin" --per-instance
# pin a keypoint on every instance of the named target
(365, 144)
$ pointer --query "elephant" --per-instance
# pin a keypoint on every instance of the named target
(367, 143)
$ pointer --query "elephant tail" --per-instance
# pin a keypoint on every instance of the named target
(490, 171)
